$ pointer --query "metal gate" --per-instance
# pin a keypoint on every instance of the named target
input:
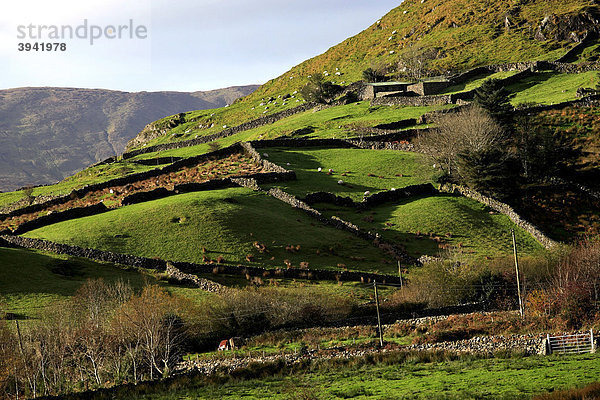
(571, 344)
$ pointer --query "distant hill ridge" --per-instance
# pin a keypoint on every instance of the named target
(47, 133)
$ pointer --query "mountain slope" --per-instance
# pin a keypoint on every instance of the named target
(47, 134)
(460, 33)
(464, 33)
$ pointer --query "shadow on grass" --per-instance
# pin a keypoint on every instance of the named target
(30, 274)
(310, 180)
(530, 82)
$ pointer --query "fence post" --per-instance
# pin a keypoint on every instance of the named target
(400, 273)
(548, 345)
(378, 316)
(514, 240)
(592, 341)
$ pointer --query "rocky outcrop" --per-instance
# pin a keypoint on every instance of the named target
(157, 129)
(569, 28)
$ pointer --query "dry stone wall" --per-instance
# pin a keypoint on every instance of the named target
(339, 223)
(578, 186)
(157, 160)
(374, 199)
(373, 145)
(76, 251)
(214, 184)
(193, 280)
(190, 268)
(266, 120)
(503, 209)
(56, 217)
(577, 48)
(413, 101)
(528, 344)
(78, 193)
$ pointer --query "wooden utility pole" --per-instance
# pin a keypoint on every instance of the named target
(517, 270)
(400, 273)
(378, 316)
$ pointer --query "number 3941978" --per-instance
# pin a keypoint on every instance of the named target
(42, 46)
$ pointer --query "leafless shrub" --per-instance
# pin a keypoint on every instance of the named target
(415, 62)
(469, 130)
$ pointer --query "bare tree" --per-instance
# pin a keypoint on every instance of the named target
(469, 130)
(8, 361)
(415, 62)
(151, 321)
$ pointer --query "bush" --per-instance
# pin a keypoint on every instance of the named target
(319, 90)
(464, 132)
(371, 75)
(252, 311)
(576, 284)
(448, 283)
(28, 195)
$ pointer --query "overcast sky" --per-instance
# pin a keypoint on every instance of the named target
(189, 45)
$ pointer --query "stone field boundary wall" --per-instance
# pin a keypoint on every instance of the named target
(78, 193)
(190, 268)
(382, 197)
(157, 160)
(262, 121)
(339, 223)
(374, 199)
(503, 209)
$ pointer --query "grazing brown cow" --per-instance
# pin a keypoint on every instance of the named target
(224, 345)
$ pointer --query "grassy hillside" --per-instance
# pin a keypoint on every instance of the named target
(31, 280)
(360, 170)
(468, 34)
(335, 122)
(463, 33)
(416, 223)
(442, 224)
(427, 225)
(179, 227)
(552, 88)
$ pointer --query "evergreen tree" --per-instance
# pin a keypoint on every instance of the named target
(491, 171)
(543, 153)
(495, 100)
